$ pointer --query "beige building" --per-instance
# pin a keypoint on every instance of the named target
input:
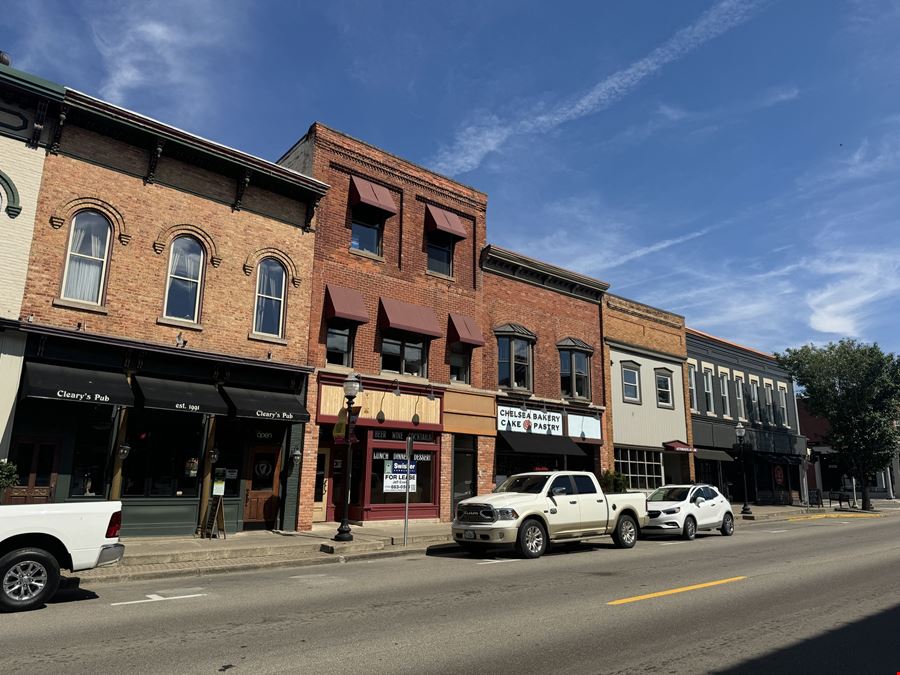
(29, 111)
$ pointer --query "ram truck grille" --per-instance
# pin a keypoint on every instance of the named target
(476, 513)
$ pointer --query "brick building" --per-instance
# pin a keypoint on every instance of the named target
(652, 442)
(26, 102)
(544, 356)
(166, 308)
(396, 297)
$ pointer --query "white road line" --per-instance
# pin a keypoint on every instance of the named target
(775, 531)
(308, 576)
(494, 562)
(153, 597)
(671, 543)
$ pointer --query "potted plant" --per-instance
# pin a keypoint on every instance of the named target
(9, 476)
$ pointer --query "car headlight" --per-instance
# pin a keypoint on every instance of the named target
(672, 511)
(507, 514)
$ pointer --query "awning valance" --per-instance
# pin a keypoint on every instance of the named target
(266, 405)
(714, 455)
(60, 383)
(540, 444)
(404, 316)
(678, 446)
(345, 303)
(464, 329)
(371, 194)
(181, 396)
(445, 221)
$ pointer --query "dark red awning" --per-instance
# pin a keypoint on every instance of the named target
(464, 329)
(445, 221)
(678, 446)
(411, 318)
(371, 194)
(345, 303)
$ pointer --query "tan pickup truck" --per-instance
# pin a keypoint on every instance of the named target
(530, 510)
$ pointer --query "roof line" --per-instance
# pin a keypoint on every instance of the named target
(700, 333)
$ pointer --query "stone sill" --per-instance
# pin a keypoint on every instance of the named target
(271, 339)
(80, 306)
(366, 254)
(179, 323)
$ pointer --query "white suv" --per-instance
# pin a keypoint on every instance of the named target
(685, 509)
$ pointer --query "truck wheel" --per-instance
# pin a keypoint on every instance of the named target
(690, 528)
(626, 532)
(727, 528)
(532, 540)
(29, 577)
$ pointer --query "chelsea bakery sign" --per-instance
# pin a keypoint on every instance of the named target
(529, 421)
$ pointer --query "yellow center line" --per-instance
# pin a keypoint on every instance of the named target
(841, 516)
(673, 591)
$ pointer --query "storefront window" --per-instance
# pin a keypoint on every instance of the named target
(92, 438)
(388, 479)
(642, 468)
(165, 454)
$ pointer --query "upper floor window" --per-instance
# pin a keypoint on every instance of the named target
(708, 391)
(270, 283)
(726, 401)
(770, 408)
(339, 343)
(754, 399)
(664, 392)
(574, 368)
(366, 236)
(460, 363)
(739, 397)
(406, 354)
(782, 405)
(184, 284)
(514, 353)
(692, 385)
(86, 263)
(439, 246)
(631, 382)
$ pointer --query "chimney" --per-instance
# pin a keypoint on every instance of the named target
(4, 58)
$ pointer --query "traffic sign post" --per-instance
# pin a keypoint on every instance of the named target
(409, 452)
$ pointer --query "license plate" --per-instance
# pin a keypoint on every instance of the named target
(468, 534)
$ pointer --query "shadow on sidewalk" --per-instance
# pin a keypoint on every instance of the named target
(865, 646)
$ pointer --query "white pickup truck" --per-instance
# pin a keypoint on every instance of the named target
(530, 510)
(36, 540)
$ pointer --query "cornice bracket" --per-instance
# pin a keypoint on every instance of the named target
(40, 116)
(57, 133)
(153, 161)
(242, 182)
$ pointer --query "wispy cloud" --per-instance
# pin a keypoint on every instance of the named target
(778, 95)
(476, 140)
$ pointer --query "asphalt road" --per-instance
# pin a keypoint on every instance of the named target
(809, 596)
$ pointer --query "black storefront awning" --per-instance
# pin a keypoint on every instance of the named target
(778, 458)
(266, 405)
(541, 444)
(714, 455)
(181, 396)
(60, 383)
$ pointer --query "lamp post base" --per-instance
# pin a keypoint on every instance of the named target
(745, 510)
(343, 533)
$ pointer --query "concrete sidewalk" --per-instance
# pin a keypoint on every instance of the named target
(158, 557)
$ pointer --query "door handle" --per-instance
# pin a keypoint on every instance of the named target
(599, 501)
(573, 501)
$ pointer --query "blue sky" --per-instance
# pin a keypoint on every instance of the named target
(735, 162)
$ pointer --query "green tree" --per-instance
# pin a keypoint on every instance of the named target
(856, 387)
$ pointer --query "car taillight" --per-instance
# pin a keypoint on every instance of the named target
(115, 524)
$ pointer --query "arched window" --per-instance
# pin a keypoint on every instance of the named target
(185, 280)
(269, 298)
(86, 262)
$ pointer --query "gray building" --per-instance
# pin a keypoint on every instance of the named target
(729, 384)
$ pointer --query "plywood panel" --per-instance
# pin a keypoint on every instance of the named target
(395, 408)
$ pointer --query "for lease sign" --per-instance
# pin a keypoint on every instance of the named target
(395, 476)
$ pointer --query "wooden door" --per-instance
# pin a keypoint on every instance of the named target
(320, 491)
(38, 465)
(261, 499)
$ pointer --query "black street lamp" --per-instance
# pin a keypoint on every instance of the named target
(739, 431)
(351, 390)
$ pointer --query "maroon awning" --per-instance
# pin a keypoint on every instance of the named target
(377, 196)
(345, 303)
(445, 221)
(411, 318)
(464, 329)
(678, 446)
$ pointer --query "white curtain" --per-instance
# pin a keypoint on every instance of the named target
(87, 257)
(187, 257)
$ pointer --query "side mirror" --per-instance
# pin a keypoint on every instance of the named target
(557, 491)
(699, 500)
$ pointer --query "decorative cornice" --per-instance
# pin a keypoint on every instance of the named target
(40, 116)
(515, 266)
(645, 312)
(643, 351)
